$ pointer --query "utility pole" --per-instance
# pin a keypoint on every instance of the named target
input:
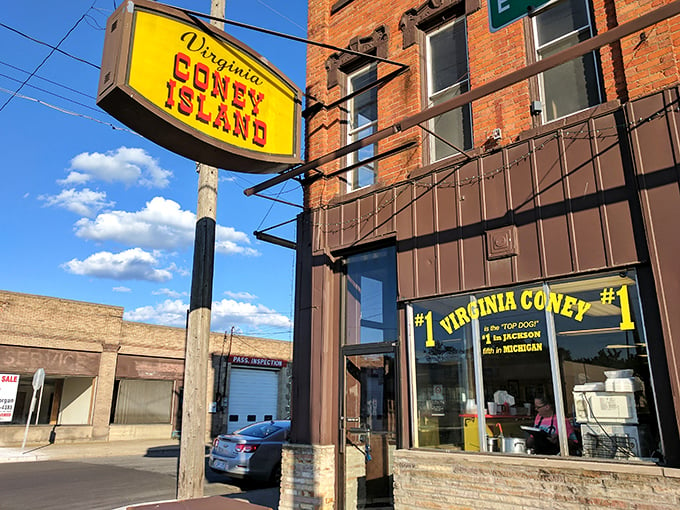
(191, 471)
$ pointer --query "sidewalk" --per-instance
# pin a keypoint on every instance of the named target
(149, 447)
(63, 451)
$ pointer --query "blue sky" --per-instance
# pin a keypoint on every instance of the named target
(93, 212)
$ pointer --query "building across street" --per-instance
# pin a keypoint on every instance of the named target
(108, 379)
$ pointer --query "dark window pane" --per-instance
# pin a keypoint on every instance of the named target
(565, 17)
(448, 57)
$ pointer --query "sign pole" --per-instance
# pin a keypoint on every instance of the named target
(38, 381)
(192, 441)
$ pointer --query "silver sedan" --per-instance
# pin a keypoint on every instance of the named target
(253, 452)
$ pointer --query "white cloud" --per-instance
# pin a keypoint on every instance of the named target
(134, 264)
(229, 311)
(240, 295)
(168, 313)
(121, 289)
(130, 166)
(162, 224)
(224, 314)
(169, 293)
(84, 202)
(231, 248)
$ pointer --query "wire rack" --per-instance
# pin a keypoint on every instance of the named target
(609, 446)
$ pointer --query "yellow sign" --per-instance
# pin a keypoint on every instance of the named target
(200, 83)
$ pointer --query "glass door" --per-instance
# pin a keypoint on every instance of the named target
(368, 429)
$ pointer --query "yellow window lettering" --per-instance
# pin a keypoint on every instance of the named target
(489, 305)
(473, 311)
(461, 314)
(583, 307)
(509, 303)
(525, 299)
(569, 302)
(446, 323)
(539, 300)
(554, 302)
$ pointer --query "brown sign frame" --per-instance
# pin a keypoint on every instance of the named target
(120, 100)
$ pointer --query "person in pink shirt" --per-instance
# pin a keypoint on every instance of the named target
(547, 442)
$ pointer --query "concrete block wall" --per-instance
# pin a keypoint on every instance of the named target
(440, 480)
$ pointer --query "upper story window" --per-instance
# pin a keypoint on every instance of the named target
(370, 303)
(575, 85)
(448, 76)
(362, 117)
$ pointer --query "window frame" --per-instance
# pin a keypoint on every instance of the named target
(351, 309)
(538, 49)
(573, 286)
(352, 133)
(430, 96)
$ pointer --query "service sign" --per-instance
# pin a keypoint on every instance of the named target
(9, 384)
(195, 90)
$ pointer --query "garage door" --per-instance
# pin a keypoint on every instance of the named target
(253, 396)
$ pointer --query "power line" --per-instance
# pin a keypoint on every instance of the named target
(52, 93)
(68, 112)
(48, 81)
(49, 46)
(46, 58)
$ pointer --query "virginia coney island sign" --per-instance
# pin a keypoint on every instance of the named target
(195, 90)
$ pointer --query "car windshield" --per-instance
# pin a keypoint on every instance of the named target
(258, 430)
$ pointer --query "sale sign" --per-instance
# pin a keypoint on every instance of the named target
(9, 384)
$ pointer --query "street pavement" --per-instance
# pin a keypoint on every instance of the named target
(71, 451)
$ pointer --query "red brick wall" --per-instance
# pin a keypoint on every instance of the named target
(632, 68)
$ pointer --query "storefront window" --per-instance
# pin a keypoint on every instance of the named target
(554, 368)
(62, 401)
(445, 378)
(142, 401)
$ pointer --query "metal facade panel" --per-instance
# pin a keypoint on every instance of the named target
(525, 212)
(425, 238)
(655, 145)
(349, 228)
(448, 246)
(366, 223)
(583, 201)
(554, 227)
(615, 188)
(385, 221)
(405, 246)
(331, 224)
(473, 254)
(496, 213)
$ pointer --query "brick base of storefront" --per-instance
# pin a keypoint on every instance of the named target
(440, 480)
(307, 477)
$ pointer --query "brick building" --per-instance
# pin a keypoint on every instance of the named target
(111, 379)
(487, 276)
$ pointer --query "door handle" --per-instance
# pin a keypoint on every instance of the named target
(359, 430)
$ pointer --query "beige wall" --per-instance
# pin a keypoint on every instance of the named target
(73, 338)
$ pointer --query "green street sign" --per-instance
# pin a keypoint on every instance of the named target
(504, 12)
